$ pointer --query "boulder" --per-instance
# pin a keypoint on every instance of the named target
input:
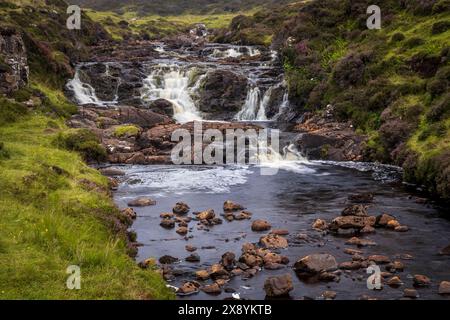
(194, 257)
(188, 288)
(261, 225)
(355, 210)
(383, 219)
(217, 271)
(278, 286)
(167, 224)
(141, 202)
(393, 224)
(316, 263)
(190, 248)
(251, 260)
(280, 232)
(202, 275)
(181, 208)
(351, 222)
(420, 280)
(243, 215)
(350, 265)
(162, 106)
(228, 260)
(444, 288)
(273, 241)
(206, 215)
(231, 206)
(167, 259)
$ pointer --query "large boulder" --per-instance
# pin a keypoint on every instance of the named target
(316, 263)
(222, 94)
(278, 286)
(14, 69)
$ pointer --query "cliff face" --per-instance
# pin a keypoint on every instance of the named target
(14, 69)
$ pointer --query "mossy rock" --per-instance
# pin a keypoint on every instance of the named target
(126, 131)
(83, 141)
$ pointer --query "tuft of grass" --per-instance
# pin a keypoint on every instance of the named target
(126, 131)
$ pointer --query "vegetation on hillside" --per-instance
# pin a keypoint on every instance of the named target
(55, 211)
(393, 83)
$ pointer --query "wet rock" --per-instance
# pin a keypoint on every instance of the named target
(162, 106)
(193, 258)
(236, 272)
(182, 231)
(280, 232)
(355, 210)
(130, 213)
(444, 288)
(147, 263)
(395, 266)
(113, 183)
(181, 208)
(112, 172)
(350, 265)
(320, 225)
(361, 198)
(271, 258)
(367, 229)
(217, 271)
(358, 257)
(141, 202)
(352, 251)
(392, 224)
(251, 260)
(231, 206)
(273, 241)
(202, 275)
(394, 282)
(351, 222)
(401, 229)
(274, 266)
(166, 215)
(248, 247)
(229, 216)
(420, 280)
(329, 295)
(243, 215)
(361, 242)
(278, 286)
(316, 263)
(213, 289)
(249, 273)
(411, 293)
(167, 259)
(445, 251)
(379, 259)
(167, 224)
(260, 225)
(383, 220)
(190, 248)
(206, 215)
(328, 277)
(228, 260)
(188, 288)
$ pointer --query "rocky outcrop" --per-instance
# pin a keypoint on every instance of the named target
(322, 137)
(13, 61)
(222, 94)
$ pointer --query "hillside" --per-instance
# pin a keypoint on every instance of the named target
(55, 211)
(392, 84)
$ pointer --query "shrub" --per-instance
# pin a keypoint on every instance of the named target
(440, 27)
(440, 110)
(397, 37)
(83, 141)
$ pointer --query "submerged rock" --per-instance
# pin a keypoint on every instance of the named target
(141, 202)
(231, 206)
(112, 172)
(361, 242)
(320, 225)
(361, 198)
(379, 259)
(167, 224)
(278, 286)
(213, 289)
(181, 208)
(273, 241)
(167, 259)
(193, 258)
(261, 225)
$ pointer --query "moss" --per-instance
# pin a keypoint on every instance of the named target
(126, 131)
(83, 141)
(11, 111)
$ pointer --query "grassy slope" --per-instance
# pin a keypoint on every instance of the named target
(54, 210)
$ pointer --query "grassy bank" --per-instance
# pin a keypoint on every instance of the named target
(55, 212)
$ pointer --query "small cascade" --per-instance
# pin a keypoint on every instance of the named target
(235, 52)
(84, 93)
(171, 82)
(251, 106)
(284, 106)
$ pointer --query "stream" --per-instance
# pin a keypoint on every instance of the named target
(293, 199)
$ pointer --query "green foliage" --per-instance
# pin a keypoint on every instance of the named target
(126, 131)
(83, 141)
(11, 111)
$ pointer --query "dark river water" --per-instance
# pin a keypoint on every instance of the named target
(292, 199)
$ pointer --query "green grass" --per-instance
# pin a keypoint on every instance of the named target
(49, 220)
(126, 131)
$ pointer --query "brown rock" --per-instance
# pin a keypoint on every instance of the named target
(278, 286)
(243, 215)
(206, 215)
(401, 229)
(188, 288)
(248, 247)
(352, 251)
(190, 248)
(167, 259)
(228, 260)
(202, 275)
(392, 224)
(213, 289)
(272, 258)
(167, 224)
(367, 229)
(181, 208)
(361, 198)
(395, 266)
(273, 241)
(420, 280)
(350, 265)
(316, 263)
(394, 282)
(141, 202)
(217, 271)
(445, 251)
(231, 206)
(355, 210)
(361, 242)
(130, 213)
(251, 260)
(193, 258)
(280, 232)
(182, 231)
(351, 222)
(166, 215)
(379, 259)
(383, 220)
(410, 293)
(260, 225)
(329, 295)
(444, 287)
(320, 225)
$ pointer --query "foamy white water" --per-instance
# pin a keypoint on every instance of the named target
(171, 82)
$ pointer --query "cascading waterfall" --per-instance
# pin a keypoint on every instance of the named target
(171, 82)
(250, 108)
(236, 52)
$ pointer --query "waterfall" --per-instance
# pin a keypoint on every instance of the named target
(236, 52)
(250, 108)
(171, 82)
(84, 93)
(284, 105)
